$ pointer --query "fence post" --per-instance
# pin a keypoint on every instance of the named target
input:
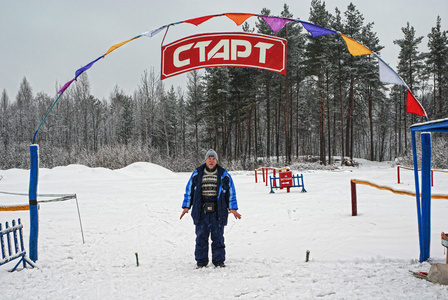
(2, 244)
(354, 206)
(279, 171)
(398, 174)
(8, 240)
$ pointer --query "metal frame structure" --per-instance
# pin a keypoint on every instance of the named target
(424, 201)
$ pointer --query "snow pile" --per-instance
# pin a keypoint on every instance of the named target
(136, 210)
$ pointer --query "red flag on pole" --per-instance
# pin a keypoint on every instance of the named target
(413, 106)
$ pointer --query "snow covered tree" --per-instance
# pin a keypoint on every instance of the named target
(318, 62)
(24, 103)
(437, 66)
(410, 67)
(195, 98)
(5, 120)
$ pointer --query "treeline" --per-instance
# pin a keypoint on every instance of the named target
(329, 104)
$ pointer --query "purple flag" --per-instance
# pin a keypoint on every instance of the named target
(86, 67)
(66, 86)
(275, 23)
(316, 30)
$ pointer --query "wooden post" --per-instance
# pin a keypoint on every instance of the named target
(354, 206)
(398, 174)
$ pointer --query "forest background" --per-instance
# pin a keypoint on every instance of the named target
(330, 104)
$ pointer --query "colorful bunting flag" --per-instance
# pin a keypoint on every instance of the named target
(86, 67)
(65, 86)
(387, 74)
(276, 23)
(153, 32)
(413, 106)
(355, 48)
(200, 20)
(119, 45)
(239, 18)
(316, 30)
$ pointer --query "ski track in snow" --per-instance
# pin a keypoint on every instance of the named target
(136, 210)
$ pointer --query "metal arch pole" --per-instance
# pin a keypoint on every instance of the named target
(426, 193)
(417, 194)
(32, 195)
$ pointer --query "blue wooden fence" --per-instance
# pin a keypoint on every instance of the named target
(11, 242)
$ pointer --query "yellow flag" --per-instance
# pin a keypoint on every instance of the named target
(355, 48)
(119, 45)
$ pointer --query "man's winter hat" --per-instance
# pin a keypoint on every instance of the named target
(211, 153)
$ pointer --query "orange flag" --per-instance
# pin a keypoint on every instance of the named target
(119, 45)
(239, 18)
(355, 48)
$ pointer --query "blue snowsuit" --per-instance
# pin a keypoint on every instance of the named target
(210, 224)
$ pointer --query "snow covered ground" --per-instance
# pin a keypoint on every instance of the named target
(136, 210)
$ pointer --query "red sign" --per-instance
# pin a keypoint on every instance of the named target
(224, 50)
(286, 179)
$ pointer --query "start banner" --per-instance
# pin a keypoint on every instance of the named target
(224, 50)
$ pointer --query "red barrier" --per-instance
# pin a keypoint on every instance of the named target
(265, 173)
(285, 180)
(353, 183)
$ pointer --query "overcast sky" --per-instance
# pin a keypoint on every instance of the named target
(47, 41)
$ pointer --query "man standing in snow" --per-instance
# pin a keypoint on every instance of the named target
(210, 194)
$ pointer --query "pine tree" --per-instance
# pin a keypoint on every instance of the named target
(370, 85)
(295, 52)
(318, 65)
(352, 27)
(265, 79)
(410, 66)
(5, 120)
(437, 66)
(122, 116)
(195, 98)
(24, 103)
(215, 109)
(338, 56)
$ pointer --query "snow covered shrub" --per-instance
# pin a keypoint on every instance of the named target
(439, 153)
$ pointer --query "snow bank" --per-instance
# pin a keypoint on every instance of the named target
(136, 210)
